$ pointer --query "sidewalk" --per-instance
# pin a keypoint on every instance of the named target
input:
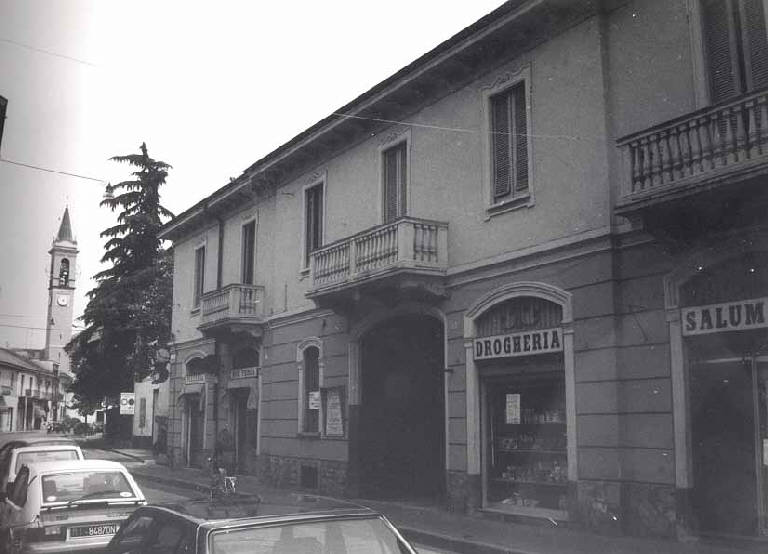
(477, 535)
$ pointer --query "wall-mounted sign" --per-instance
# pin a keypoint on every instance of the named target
(334, 418)
(127, 403)
(244, 373)
(541, 341)
(729, 316)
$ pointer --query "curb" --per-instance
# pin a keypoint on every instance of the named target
(132, 456)
(427, 538)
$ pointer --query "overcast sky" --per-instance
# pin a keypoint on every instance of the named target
(210, 86)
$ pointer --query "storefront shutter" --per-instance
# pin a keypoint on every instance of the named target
(756, 42)
(500, 139)
(521, 139)
(720, 44)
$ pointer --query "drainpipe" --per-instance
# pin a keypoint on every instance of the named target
(216, 347)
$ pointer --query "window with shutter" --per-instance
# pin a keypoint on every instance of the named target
(313, 220)
(509, 144)
(395, 182)
(248, 252)
(199, 276)
(736, 47)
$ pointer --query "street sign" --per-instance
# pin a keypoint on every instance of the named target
(127, 403)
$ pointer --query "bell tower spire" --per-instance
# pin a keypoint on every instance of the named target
(61, 289)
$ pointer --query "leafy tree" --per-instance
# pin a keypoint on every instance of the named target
(128, 315)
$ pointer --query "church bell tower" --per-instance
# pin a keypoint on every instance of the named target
(61, 289)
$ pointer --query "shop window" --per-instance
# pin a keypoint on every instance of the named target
(311, 402)
(313, 220)
(395, 180)
(735, 45)
(199, 281)
(509, 144)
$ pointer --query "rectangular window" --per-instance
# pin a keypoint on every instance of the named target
(509, 144)
(395, 177)
(199, 276)
(313, 220)
(248, 251)
(736, 46)
(143, 412)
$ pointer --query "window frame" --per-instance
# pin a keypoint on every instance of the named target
(699, 59)
(198, 281)
(312, 342)
(248, 259)
(306, 252)
(504, 84)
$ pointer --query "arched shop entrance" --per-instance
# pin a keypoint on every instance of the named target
(402, 411)
(723, 314)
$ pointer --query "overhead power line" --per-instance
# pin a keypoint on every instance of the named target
(56, 171)
(47, 52)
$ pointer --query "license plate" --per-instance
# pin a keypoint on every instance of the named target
(93, 530)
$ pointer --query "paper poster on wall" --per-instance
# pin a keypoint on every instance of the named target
(313, 402)
(334, 422)
(512, 411)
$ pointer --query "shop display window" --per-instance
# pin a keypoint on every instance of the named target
(527, 445)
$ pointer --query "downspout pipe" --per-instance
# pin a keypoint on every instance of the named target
(216, 346)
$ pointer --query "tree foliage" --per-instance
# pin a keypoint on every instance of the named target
(128, 315)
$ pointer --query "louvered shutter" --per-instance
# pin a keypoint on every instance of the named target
(520, 138)
(500, 141)
(720, 45)
(395, 171)
(314, 221)
(755, 42)
(403, 160)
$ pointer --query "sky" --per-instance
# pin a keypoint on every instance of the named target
(210, 87)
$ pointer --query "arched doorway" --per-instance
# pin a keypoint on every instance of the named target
(402, 411)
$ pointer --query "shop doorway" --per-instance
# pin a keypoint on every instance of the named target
(729, 437)
(195, 429)
(402, 413)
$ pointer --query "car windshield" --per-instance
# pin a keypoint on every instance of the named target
(353, 536)
(29, 456)
(85, 485)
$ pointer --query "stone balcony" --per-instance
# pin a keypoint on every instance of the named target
(232, 309)
(697, 163)
(406, 255)
(200, 379)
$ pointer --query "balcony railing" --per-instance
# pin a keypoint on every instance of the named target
(233, 302)
(6, 390)
(699, 149)
(35, 393)
(244, 373)
(200, 378)
(406, 243)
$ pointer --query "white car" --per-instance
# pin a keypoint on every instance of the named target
(27, 455)
(67, 506)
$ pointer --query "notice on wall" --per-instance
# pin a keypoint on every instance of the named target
(127, 403)
(334, 419)
(730, 316)
(512, 410)
(765, 452)
(313, 400)
(528, 343)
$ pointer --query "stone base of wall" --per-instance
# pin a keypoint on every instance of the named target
(284, 472)
(636, 509)
(141, 442)
(464, 492)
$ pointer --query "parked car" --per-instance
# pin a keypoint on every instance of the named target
(67, 506)
(33, 449)
(300, 524)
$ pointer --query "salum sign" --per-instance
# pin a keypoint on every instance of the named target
(729, 316)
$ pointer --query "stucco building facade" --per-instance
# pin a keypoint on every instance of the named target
(498, 278)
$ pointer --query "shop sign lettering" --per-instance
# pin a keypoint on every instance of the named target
(541, 341)
(730, 316)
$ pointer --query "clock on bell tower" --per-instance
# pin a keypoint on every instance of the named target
(61, 288)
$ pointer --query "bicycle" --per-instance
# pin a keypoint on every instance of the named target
(222, 485)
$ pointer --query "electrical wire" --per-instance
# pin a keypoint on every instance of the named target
(48, 52)
(56, 171)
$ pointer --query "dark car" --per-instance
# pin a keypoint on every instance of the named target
(283, 524)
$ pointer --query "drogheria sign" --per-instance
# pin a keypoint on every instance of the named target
(729, 316)
(540, 341)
